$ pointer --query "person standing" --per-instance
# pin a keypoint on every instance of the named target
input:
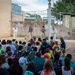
(3, 71)
(54, 32)
(15, 30)
(30, 31)
(62, 44)
(43, 31)
(66, 69)
(38, 62)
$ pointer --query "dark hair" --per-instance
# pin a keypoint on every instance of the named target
(25, 54)
(10, 42)
(34, 38)
(67, 63)
(43, 26)
(31, 67)
(35, 49)
(15, 67)
(29, 44)
(61, 38)
(16, 42)
(56, 42)
(69, 56)
(10, 61)
(3, 58)
(20, 47)
(8, 49)
(38, 54)
(9, 53)
(43, 48)
(63, 51)
(39, 39)
(13, 40)
(51, 37)
(20, 42)
(47, 50)
(0, 40)
(24, 43)
(0, 62)
(56, 56)
(3, 42)
(31, 40)
(0, 46)
(7, 42)
(44, 39)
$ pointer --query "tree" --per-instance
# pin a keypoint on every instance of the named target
(57, 8)
(65, 6)
(38, 17)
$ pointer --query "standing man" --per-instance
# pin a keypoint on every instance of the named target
(43, 31)
(54, 32)
(30, 30)
(15, 30)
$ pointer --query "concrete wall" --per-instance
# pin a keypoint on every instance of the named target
(72, 25)
(5, 18)
(17, 17)
(67, 20)
(61, 30)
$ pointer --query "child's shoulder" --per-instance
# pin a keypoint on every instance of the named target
(53, 73)
(28, 73)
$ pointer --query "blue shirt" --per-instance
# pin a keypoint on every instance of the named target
(72, 64)
(3, 71)
(39, 63)
(63, 45)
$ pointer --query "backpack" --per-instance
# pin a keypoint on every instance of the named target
(57, 65)
(31, 56)
(19, 54)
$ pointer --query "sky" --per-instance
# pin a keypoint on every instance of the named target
(33, 5)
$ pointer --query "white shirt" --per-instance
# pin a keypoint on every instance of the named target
(64, 72)
(15, 29)
(54, 31)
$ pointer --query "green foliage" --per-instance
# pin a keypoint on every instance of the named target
(38, 17)
(64, 6)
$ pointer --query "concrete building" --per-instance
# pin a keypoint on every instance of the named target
(30, 19)
(5, 18)
(16, 9)
(16, 14)
(69, 20)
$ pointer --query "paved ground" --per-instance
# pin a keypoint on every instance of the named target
(70, 45)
